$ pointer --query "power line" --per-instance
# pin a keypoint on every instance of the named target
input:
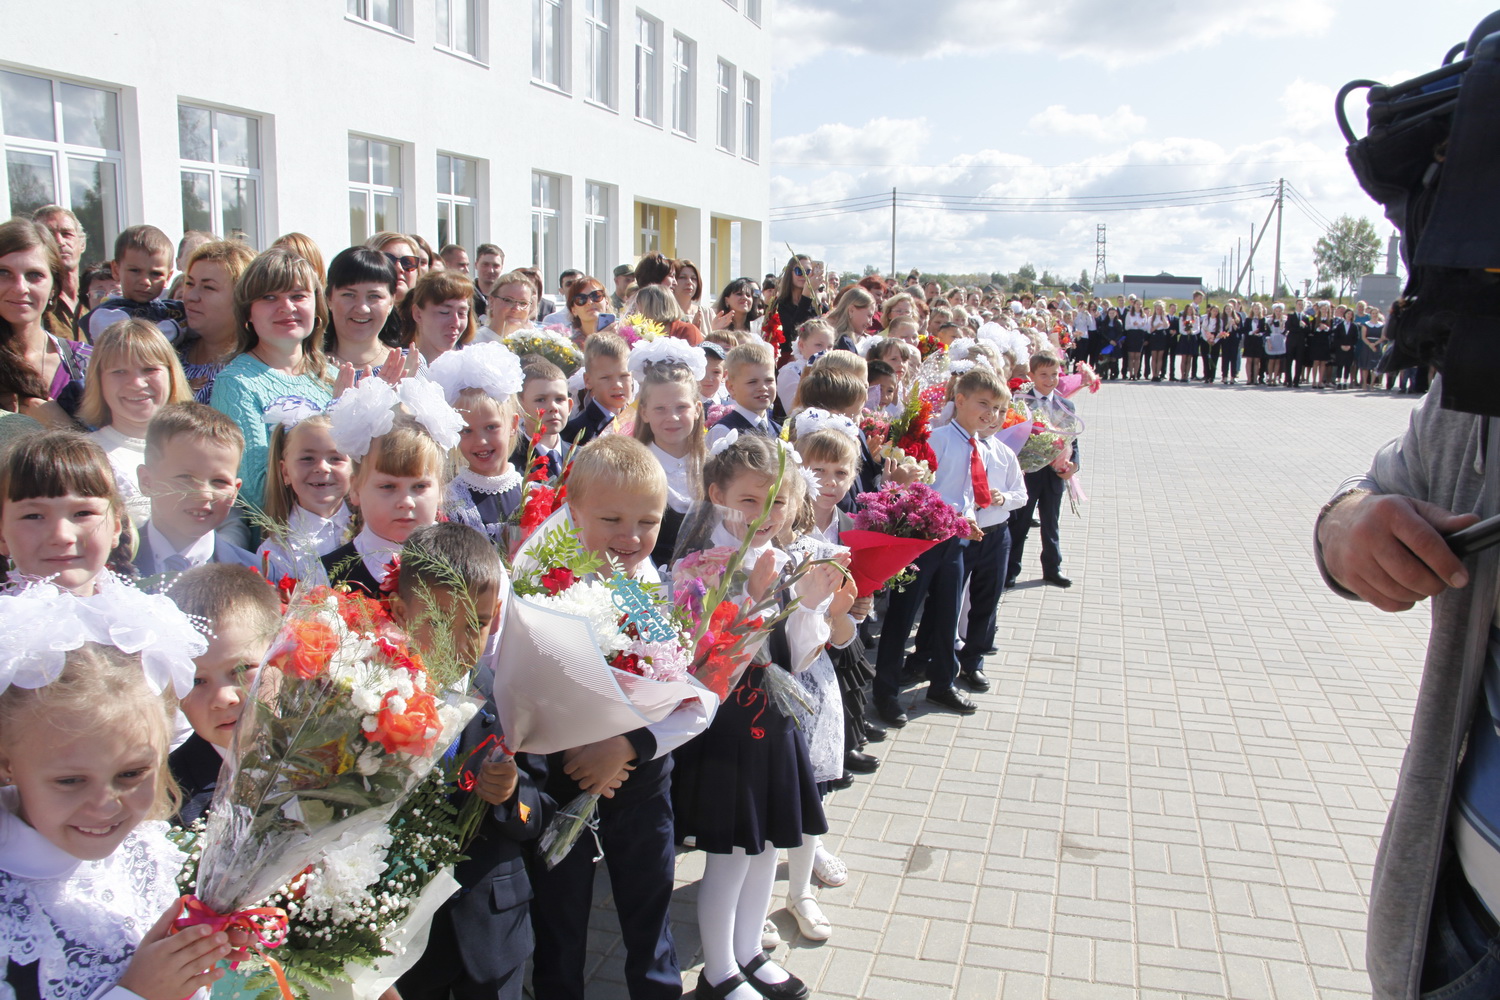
(1040, 204)
(1036, 166)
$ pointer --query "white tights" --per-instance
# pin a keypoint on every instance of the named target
(733, 898)
(799, 867)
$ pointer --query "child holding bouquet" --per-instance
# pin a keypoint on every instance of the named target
(87, 875)
(1044, 487)
(616, 494)
(746, 787)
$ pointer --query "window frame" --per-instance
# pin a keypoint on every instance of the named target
(598, 215)
(750, 118)
(455, 201)
(648, 77)
(753, 11)
(648, 237)
(370, 189)
(539, 67)
(600, 88)
(63, 154)
(685, 86)
(217, 171)
(402, 27)
(726, 106)
(478, 20)
(550, 252)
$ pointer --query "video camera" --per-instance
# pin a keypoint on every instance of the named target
(1431, 156)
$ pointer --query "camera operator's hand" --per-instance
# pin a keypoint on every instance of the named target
(1389, 550)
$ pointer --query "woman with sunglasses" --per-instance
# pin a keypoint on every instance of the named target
(738, 309)
(796, 301)
(586, 301)
(403, 257)
(689, 294)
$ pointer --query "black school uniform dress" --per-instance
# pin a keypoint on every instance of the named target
(1254, 343)
(1319, 341)
(1296, 345)
(484, 503)
(1345, 337)
(1160, 337)
(349, 563)
(851, 667)
(793, 315)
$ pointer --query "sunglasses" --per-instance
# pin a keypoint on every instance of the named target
(584, 297)
(404, 263)
(800, 272)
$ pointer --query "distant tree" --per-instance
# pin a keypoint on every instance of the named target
(870, 270)
(1346, 252)
(1111, 278)
(1085, 280)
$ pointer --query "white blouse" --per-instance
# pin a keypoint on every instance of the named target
(680, 494)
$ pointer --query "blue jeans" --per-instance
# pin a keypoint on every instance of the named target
(1462, 958)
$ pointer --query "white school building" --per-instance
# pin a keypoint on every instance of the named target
(572, 133)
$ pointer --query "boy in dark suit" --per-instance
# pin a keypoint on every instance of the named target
(545, 405)
(243, 611)
(607, 383)
(750, 377)
(481, 937)
(191, 477)
(1044, 487)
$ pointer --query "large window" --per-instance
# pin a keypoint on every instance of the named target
(62, 146)
(374, 187)
(547, 42)
(648, 231)
(458, 26)
(221, 180)
(596, 221)
(684, 85)
(546, 225)
(458, 184)
(386, 13)
(752, 10)
(648, 69)
(725, 89)
(598, 24)
(750, 140)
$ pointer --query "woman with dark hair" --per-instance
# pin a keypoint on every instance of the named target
(361, 297)
(402, 254)
(796, 301)
(30, 275)
(586, 301)
(738, 309)
(441, 320)
(655, 269)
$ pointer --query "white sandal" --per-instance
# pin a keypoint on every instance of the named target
(811, 921)
(770, 936)
(830, 870)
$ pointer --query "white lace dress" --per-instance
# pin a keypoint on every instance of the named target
(77, 923)
(823, 725)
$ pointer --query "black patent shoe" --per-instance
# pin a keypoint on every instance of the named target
(890, 712)
(874, 733)
(707, 991)
(860, 763)
(792, 989)
(974, 680)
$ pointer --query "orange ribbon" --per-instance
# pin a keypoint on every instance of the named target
(266, 927)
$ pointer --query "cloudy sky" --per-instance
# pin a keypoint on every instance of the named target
(1021, 100)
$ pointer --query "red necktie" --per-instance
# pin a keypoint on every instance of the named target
(977, 475)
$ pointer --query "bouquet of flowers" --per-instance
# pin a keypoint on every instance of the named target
(550, 344)
(928, 345)
(894, 526)
(912, 430)
(876, 429)
(1054, 428)
(770, 329)
(635, 328)
(343, 723)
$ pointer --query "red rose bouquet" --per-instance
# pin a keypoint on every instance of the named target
(894, 526)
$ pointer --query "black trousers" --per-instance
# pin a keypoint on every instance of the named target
(1046, 491)
(439, 973)
(936, 593)
(1229, 359)
(1210, 355)
(991, 561)
(636, 830)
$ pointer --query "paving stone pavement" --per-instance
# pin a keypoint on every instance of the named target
(1177, 784)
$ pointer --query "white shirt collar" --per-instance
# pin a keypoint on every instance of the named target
(763, 420)
(23, 851)
(376, 552)
(304, 524)
(679, 490)
(198, 552)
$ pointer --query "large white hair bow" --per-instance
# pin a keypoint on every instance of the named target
(667, 351)
(813, 419)
(427, 405)
(368, 411)
(42, 623)
(492, 368)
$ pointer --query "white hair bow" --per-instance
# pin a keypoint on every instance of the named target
(368, 411)
(667, 351)
(720, 446)
(492, 368)
(813, 419)
(429, 408)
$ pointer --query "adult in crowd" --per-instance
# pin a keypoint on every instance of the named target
(403, 256)
(850, 317)
(427, 257)
(738, 309)
(306, 247)
(688, 288)
(67, 305)
(657, 303)
(1380, 539)
(511, 306)
(624, 277)
(586, 315)
(31, 271)
(361, 296)
(455, 258)
(489, 264)
(565, 282)
(440, 318)
(212, 336)
(795, 300)
(280, 315)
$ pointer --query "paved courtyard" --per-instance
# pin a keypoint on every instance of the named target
(1177, 784)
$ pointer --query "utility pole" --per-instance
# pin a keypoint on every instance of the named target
(1250, 266)
(893, 232)
(1101, 271)
(1280, 194)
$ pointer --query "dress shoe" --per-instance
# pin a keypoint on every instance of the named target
(874, 733)
(708, 991)
(860, 763)
(951, 699)
(890, 712)
(1010, 582)
(1057, 580)
(975, 679)
(790, 988)
(843, 781)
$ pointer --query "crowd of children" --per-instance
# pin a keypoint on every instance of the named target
(165, 528)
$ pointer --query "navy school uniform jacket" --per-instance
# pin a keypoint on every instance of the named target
(195, 765)
(147, 564)
(587, 424)
(735, 420)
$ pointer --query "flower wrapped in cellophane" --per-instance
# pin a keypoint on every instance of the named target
(892, 527)
(1054, 427)
(554, 346)
(342, 724)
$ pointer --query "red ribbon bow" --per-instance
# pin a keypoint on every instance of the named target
(266, 926)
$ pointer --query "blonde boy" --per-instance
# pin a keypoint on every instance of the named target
(606, 378)
(750, 377)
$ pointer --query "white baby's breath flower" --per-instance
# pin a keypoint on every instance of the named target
(369, 724)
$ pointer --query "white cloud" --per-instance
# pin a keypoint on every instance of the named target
(880, 140)
(1308, 107)
(1056, 119)
(1107, 30)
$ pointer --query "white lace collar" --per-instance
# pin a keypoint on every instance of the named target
(724, 538)
(493, 485)
(376, 552)
(23, 851)
(303, 523)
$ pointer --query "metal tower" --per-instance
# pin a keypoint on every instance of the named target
(1099, 269)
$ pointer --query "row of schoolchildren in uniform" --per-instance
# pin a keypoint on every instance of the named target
(738, 791)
